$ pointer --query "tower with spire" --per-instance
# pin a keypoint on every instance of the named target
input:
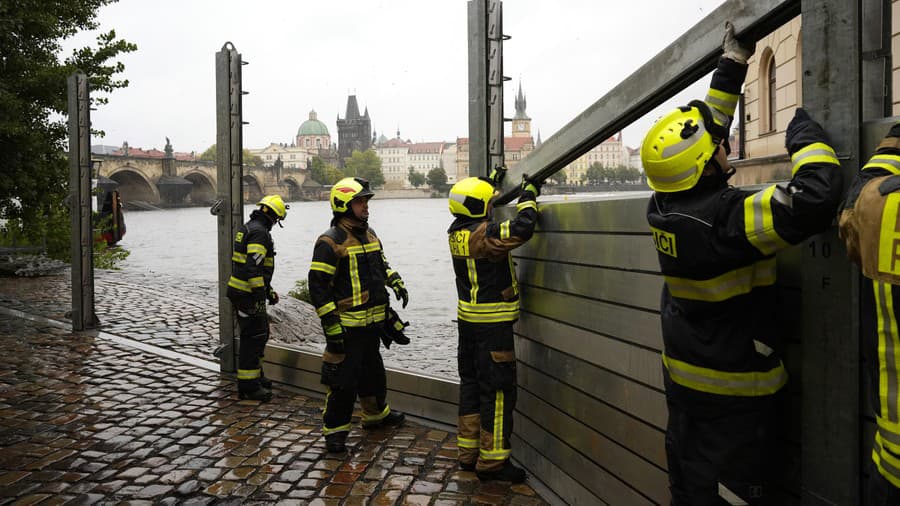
(521, 123)
(354, 131)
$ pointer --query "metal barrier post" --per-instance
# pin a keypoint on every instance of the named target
(229, 195)
(485, 86)
(83, 316)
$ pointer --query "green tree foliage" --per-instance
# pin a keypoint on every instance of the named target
(416, 179)
(301, 291)
(365, 165)
(324, 173)
(559, 177)
(333, 174)
(250, 160)
(436, 178)
(33, 109)
(596, 174)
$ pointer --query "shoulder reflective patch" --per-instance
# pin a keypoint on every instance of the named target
(459, 243)
(665, 242)
(889, 239)
(238, 237)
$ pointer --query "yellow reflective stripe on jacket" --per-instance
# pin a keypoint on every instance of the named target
(363, 317)
(888, 352)
(247, 374)
(327, 308)
(887, 464)
(370, 247)
(512, 275)
(322, 267)
(463, 442)
(334, 330)
(890, 434)
(525, 205)
(269, 262)
(488, 312)
(759, 223)
(744, 384)
(890, 163)
(355, 286)
(379, 416)
(331, 430)
(473, 279)
(239, 284)
(817, 152)
(239, 257)
(722, 101)
(728, 285)
(256, 282)
(504, 230)
(254, 248)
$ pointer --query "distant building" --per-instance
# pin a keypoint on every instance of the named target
(291, 156)
(394, 155)
(313, 134)
(610, 153)
(354, 131)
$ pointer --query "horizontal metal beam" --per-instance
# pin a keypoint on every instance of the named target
(682, 63)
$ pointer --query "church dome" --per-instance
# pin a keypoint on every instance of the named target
(312, 126)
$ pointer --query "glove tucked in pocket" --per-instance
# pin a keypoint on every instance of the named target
(393, 330)
(503, 369)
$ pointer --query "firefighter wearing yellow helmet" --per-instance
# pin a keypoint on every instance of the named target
(716, 247)
(348, 278)
(250, 286)
(488, 306)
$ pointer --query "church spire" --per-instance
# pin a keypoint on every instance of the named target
(520, 104)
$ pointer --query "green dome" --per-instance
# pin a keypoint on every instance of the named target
(312, 126)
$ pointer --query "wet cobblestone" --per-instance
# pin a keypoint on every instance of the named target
(85, 420)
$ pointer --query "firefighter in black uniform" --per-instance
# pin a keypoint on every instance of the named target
(347, 280)
(716, 247)
(487, 308)
(250, 286)
(869, 227)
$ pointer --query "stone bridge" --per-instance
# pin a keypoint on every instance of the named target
(168, 181)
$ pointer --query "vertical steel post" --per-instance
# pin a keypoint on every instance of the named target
(478, 108)
(830, 428)
(495, 85)
(229, 204)
(80, 203)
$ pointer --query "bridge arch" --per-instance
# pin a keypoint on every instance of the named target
(252, 188)
(294, 189)
(134, 186)
(203, 190)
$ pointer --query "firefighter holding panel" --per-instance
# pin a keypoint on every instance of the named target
(716, 248)
(487, 308)
(869, 227)
(347, 283)
(250, 286)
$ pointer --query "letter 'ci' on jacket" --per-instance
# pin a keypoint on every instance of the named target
(716, 246)
(347, 277)
(252, 262)
(485, 274)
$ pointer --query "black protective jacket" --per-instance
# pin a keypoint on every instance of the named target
(252, 262)
(485, 275)
(716, 246)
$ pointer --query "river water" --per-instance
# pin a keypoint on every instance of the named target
(182, 243)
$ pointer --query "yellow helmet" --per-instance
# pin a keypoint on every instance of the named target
(678, 147)
(346, 190)
(470, 197)
(276, 204)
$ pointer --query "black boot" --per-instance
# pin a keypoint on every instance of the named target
(264, 381)
(508, 472)
(336, 443)
(394, 418)
(261, 394)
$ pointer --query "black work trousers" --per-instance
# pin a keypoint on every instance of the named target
(254, 328)
(721, 450)
(361, 374)
(487, 393)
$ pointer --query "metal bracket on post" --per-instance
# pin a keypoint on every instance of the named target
(229, 205)
(80, 210)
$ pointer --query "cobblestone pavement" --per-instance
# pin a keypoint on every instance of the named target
(170, 314)
(92, 420)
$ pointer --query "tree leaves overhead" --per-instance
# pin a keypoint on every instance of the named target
(365, 164)
(33, 105)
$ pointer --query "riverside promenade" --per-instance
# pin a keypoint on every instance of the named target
(138, 414)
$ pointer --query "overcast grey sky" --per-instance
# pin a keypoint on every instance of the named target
(405, 60)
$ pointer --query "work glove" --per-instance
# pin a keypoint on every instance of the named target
(334, 338)
(497, 175)
(803, 131)
(530, 190)
(734, 49)
(332, 365)
(272, 296)
(393, 330)
(400, 291)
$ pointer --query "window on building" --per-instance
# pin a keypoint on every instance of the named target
(768, 92)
